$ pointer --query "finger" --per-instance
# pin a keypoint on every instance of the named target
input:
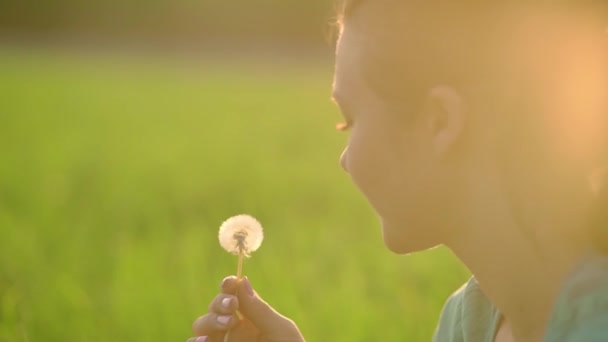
(198, 339)
(224, 304)
(262, 315)
(212, 323)
(229, 285)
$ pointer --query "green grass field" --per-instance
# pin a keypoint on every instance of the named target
(115, 174)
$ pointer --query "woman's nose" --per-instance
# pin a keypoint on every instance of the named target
(343, 159)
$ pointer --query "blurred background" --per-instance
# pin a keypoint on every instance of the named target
(130, 130)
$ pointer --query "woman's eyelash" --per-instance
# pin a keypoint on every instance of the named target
(344, 126)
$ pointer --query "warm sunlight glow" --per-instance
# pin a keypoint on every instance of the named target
(578, 99)
(569, 65)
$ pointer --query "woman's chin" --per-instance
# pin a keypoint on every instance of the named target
(401, 240)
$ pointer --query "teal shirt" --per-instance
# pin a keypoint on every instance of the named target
(580, 312)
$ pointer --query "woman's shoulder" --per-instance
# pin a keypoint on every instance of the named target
(450, 321)
(466, 316)
(581, 309)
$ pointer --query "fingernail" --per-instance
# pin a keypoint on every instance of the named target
(248, 287)
(201, 339)
(225, 281)
(226, 302)
(223, 320)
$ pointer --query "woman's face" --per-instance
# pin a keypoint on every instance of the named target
(396, 155)
(391, 160)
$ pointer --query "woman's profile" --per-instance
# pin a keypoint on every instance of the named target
(481, 126)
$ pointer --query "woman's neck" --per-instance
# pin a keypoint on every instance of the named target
(520, 274)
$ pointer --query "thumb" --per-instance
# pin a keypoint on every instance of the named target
(262, 315)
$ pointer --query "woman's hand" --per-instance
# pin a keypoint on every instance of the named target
(260, 323)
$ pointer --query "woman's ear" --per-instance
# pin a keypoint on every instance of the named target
(446, 114)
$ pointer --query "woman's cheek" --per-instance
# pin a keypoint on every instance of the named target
(365, 160)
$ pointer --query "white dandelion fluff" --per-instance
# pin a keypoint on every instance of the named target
(241, 235)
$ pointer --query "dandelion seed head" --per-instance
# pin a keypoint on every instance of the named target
(241, 234)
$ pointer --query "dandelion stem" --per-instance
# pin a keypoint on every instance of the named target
(239, 272)
(239, 275)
